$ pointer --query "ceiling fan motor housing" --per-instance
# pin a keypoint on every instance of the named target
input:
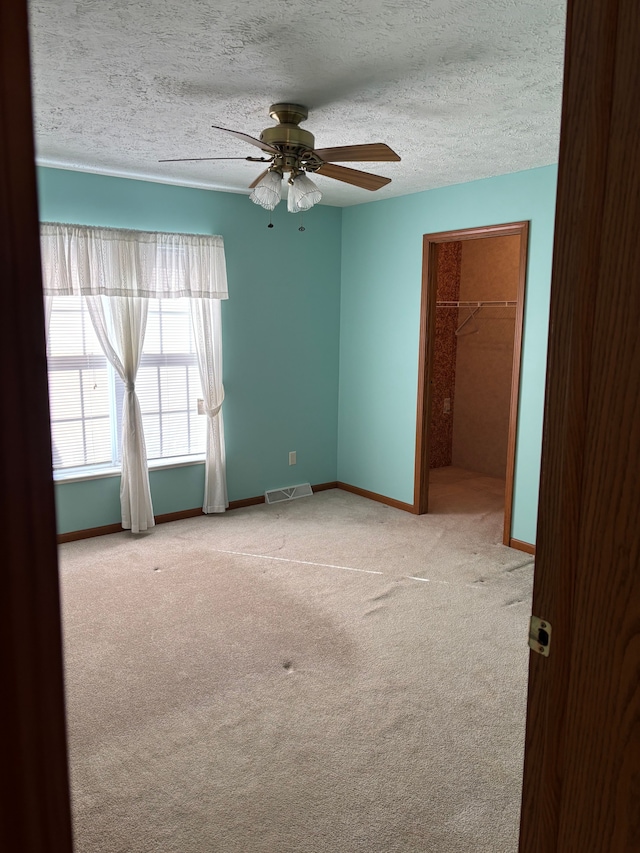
(287, 133)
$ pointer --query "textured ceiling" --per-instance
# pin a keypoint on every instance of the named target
(461, 89)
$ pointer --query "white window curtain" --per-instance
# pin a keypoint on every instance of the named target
(88, 261)
(130, 267)
(207, 328)
(48, 303)
(120, 323)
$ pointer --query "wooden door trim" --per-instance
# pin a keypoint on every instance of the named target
(35, 807)
(425, 361)
(425, 356)
(581, 785)
(514, 403)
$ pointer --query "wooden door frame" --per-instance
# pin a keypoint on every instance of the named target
(581, 785)
(35, 814)
(425, 363)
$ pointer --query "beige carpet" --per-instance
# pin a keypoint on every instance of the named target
(359, 686)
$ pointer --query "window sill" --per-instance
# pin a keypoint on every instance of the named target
(77, 475)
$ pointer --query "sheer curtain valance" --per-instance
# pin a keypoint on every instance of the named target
(83, 260)
(118, 271)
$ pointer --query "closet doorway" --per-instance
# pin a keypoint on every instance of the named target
(471, 320)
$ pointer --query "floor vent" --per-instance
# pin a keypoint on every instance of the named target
(274, 496)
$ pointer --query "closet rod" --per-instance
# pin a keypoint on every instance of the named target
(481, 304)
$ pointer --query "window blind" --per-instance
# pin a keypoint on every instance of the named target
(86, 394)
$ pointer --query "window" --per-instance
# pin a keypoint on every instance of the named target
(181, 279)
(86, 394)
(80, 389)
(168, 382)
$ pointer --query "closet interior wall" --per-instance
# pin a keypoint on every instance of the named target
(472, 370)
(448, 268)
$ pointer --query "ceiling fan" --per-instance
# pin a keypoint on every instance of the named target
(290, 149)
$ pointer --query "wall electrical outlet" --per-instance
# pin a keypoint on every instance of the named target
(447, 405)
(292, 457)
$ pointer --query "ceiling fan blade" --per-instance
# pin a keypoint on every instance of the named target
(198, 159)
(250, 139)
(353, 176)
(258, 179)
(376, 152)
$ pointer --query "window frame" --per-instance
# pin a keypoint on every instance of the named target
(154, 360)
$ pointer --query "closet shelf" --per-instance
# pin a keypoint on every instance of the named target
(481, 304)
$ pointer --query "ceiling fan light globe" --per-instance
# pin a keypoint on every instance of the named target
(303, 194)
(268, 192)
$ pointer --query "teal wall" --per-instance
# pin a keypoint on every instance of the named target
(280, 335)
(379, 334)
(94, 503)
(341, 299)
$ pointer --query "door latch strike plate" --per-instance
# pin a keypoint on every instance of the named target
(540, 636)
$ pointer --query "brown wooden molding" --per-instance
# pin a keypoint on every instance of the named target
(177, 516)
(425, 362)
(105, 530)
(89, 533)
(425, 357)
(508, 229)
(374, 496)
(259, 499)
(323, 487)
(515, 384)
(522, 546)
